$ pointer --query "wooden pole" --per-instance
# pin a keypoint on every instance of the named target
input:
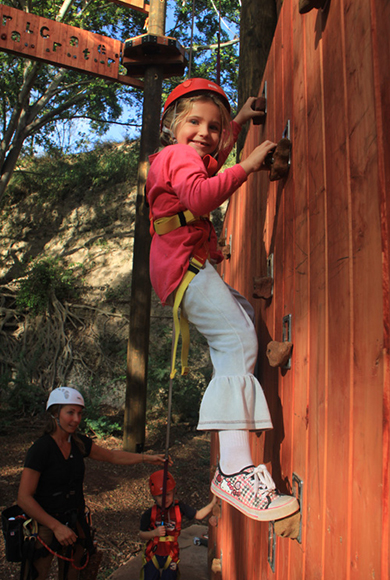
(138, 342)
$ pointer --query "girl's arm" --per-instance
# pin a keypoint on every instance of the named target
(123, 457)
(205, 511)
(255, 159)
(27, 488)
(246, 113)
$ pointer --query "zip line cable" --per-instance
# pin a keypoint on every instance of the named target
(192, 38)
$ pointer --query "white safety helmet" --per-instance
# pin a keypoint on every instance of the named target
(65, 396)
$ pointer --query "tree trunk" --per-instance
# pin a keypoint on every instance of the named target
(257, 27)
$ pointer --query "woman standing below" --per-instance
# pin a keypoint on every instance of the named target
(51, 485)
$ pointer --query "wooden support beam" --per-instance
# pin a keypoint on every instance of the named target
(38, 38)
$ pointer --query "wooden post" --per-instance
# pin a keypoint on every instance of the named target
(138, 343)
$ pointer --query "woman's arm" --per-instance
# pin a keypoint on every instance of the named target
(27, 488)
(123, 457)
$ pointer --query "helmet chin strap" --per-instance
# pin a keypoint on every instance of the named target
(56, 419)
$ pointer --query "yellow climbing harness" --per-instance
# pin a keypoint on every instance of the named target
(163, 226)
(181, 325)
(167, 224)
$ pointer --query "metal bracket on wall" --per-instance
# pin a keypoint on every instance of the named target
(297, 490)
(265, 96)
(287, 336)
(271, 545)
(287, 135)
(286, 132)
(270, 266)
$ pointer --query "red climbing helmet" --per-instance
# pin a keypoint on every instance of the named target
(156, 481)
(196, 85)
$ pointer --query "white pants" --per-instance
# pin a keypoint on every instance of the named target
(234, 398)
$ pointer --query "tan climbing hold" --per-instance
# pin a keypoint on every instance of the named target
(226, 252)
(263, 287)
(288, 527)
(278, 353)
(216, 565)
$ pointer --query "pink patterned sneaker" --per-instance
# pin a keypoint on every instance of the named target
(253, 492)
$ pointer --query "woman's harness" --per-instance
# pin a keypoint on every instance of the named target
(171, 540)
(163, 226)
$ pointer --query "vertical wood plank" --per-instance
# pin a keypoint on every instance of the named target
(338, 428)
(300, 368)
(381, 55)
(367, 294)
(314, 488)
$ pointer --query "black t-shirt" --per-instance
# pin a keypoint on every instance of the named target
(60, 486)
(187, 511)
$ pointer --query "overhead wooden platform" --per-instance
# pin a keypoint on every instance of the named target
(142, 51)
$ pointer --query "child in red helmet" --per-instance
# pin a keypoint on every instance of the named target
(182, 188)
(160, 529)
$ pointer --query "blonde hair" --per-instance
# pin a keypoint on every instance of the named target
(181, 109)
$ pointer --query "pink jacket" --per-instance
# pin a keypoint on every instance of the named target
(178, 180)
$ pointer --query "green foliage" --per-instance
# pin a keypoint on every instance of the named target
(93, 419)
(54, 176)
(45, 277)
(187, 390)
(20, 396)
(206, 28)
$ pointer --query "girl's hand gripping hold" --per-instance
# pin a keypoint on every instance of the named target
(246, 113)
(255, 160)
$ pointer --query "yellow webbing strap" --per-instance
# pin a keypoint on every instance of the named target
(181, 325)
(30, 528)
(165, 225)
(166, 565)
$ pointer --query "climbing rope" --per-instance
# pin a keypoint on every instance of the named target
(71, 560)
(168, 433)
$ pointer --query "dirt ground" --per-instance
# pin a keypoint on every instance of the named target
(116, 495)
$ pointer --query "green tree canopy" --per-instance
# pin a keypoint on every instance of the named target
(36, 96)
(37, 99)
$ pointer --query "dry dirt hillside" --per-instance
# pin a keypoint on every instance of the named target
(83, 341)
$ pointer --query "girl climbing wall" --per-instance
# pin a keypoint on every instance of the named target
(182, 188)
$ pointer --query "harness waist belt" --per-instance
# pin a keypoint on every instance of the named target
(167, 224)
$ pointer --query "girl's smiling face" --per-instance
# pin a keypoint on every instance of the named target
(201, 129)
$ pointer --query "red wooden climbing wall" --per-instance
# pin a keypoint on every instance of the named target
(326, 227)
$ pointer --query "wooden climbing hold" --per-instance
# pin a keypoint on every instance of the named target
(260, 104)
(225, 248)
(278, 353)
(306, 5)
(263, 287)
(280, 160)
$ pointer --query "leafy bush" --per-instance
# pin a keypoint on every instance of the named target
(187, 390)
(94, 418)
(20, 397)
(54, 176)
(45, 278)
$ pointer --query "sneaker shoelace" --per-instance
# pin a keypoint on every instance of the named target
(262, 480)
